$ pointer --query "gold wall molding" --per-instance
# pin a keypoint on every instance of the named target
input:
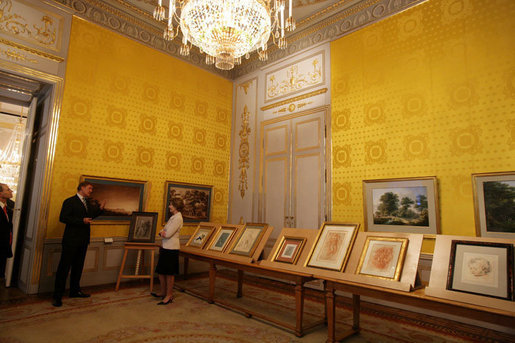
(16, 56)
(244, 151)
(32, 50)
(292, 100)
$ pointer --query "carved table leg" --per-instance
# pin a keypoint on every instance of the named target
(355, 312)
(212, 277)
(330, 308)
(186, 265)
(299, 305)
(240, 284)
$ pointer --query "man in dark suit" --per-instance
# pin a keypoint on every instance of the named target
(6, 227)
(77, 214)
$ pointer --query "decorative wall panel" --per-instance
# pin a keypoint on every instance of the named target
(131, 112)
(424, 93)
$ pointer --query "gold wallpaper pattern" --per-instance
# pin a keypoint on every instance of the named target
(429, 91)
(131, 112)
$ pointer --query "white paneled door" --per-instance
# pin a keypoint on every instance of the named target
(293, 171)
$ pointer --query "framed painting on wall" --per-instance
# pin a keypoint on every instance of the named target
(196, 198)
(289, 249)
(402, 205)
(249, 239)
(494, 204)
(383, 257)
(143, 227)
(332, 246)
(484, 268)
(201, 236)
(122, 197)
(223, 238)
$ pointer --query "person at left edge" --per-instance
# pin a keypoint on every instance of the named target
(77, 213)
(6, 227)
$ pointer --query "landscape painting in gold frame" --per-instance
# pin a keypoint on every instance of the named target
(249, 238)
(383, 257)
(223, 238)
(201, 236)
(332, 247)
(289, 249)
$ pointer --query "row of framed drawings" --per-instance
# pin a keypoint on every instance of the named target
(123, 197)
(237, 240)
(476, 268)
(411, 204)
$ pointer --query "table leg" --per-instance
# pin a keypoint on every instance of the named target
(138, 262)
(240, 284)
(186, 265)
(152, 252)
(212, 277)
(330, 308)
(355, 312)
(121, 269)
(299, 305)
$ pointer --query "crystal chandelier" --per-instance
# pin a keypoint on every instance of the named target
(10, 158)
(226, 30)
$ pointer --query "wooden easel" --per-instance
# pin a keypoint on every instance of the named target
(141, 247)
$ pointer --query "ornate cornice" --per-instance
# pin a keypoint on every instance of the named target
(329, 24)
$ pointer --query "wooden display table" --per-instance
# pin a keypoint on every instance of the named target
(141, 247)
(298, 278)
(416, 298)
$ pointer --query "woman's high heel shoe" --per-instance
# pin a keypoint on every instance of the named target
(157, 295)
(165, 303)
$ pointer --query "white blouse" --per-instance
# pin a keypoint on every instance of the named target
(171, 232)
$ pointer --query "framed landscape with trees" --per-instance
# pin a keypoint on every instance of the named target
(494, 204)
(402, 205)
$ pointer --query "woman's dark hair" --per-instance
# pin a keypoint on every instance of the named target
(177, 203)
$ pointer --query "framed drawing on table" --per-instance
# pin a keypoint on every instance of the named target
(201, 236)
(249, 239)
(289, 249)
(383, 257)
(402, 205)
(143, 227)
(223, 238)
(494, 204)
(483, 268)
(332, 247)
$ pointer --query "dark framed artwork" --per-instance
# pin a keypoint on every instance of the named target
(122, 197)
(143, 227)
(289, 249)
(494, 204)
(402, 205)
(483, 268)
(196, 198)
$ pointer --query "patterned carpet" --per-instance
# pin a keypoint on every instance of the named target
(131, 316)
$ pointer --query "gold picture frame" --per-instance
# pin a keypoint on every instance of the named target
(248, 239)
(223, 237)
(332, 247)
(201, 236)
(122, 197)
(493, 213)
(383, 257)
(289, 249)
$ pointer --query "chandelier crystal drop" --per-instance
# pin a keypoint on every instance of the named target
(226, 30)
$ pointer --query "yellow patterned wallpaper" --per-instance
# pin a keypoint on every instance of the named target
(430, 91)
(131, 112)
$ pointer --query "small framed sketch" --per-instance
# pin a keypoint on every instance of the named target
(494, 204)
(289, 249)
(201, 236)
(483, 268)
(383, 257)
(249, 239)
(223, 238)
(332, 247)
(402, 205)
(143, 227)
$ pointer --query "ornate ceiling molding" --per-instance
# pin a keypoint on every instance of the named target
(329, 24)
